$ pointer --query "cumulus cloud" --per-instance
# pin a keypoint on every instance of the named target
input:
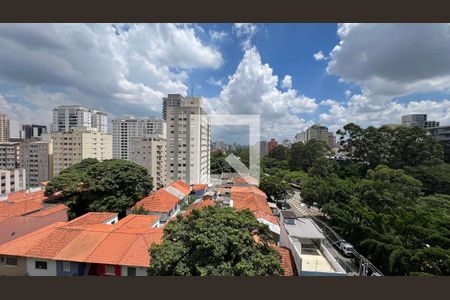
(245, 31)
(393, 59)
(218, 36)
(319, 56)
(120, 68)
(252, 89)
(388, 61)
(287, 82)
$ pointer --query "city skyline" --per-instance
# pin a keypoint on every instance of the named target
(292, 75)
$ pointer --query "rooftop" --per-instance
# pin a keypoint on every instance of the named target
(304, 228)
(124, 243)
(159, 201)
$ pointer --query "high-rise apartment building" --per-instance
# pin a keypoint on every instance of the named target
(4, 128)
(419, 120)
(331, 140)
(172, 100)
(36, 157)
(12, 180)
(125, 129)
(272, 144)
(9, 155)
(188, 142)
(263, 148)
(150, 152)
(73, 146)
(33, 131)
(66, 117)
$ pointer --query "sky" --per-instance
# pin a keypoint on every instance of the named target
(291, 75)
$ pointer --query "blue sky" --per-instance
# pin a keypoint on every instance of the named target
(292, 75)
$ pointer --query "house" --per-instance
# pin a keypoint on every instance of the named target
(198, 205)
(94, 244)
(199, 190)
(23, 212)
(313, 256)
(245, 181)
(255, 200)
(165, 202)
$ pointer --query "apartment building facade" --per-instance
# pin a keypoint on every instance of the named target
(9, 155)
(419, 120)
(172, 100)
(66, 117)
(36, 157)
(188, 142)
(4, 128)
(150, 152)
(123, 130)
(32, 131)
(73, 146)
(12, 180)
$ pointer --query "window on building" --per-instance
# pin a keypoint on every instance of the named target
(41, 265)
(11, 261)
(66, 266)
(131, 271)
(110, 270)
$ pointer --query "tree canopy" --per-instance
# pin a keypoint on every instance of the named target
(111, 185)
(217, 241)
(275, 188)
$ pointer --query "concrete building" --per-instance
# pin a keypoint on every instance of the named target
(263, 148)
(188, 142)
(272, 144)
(37, 159)
(9, 155)
(150, 152)
(124, 130)
(441, 134)
(317, 132)
(72, 147)
(12, 180)
(172, 100)
(66, 117)
(4, 128)
(33, 131)
(419, 120)
(331, 140)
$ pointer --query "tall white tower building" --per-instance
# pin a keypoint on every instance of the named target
(188, 142)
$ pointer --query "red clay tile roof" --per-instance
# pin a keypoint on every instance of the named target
(182, 186)
(252, 198)
(115, 244)
(245, 180)
(198, 205)
(199, 187)
(20, 208)
(92, 218)
(50, 210)
(287, 261)
(159, 201)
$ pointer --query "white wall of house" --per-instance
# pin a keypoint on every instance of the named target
(140, 271)
(32, 271)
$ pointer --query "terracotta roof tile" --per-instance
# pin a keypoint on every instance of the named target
(124, 243)
(92, 218)
(181, 186)
(159, 201)
(49, 210)
(199, 187)
(287, 261)
(20, 208)
(198, 205)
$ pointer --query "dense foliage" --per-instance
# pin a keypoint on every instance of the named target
(218, 163)
(275, 188)
(215, 241)
(111, 185)
(389, 197)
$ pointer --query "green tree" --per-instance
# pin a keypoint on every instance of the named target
(435, 178)
(302, 156)
(219, 164)
(111, 185)
(215, 241)
(280, 152)
(275, 188)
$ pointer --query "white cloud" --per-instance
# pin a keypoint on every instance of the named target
(348, 93)
(393, 59)
(252, 89)
(218, 36)
(122, 68)
(245, 31)
(319, 56)
(287, 82)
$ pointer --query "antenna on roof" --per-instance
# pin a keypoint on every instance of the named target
(192, 91)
